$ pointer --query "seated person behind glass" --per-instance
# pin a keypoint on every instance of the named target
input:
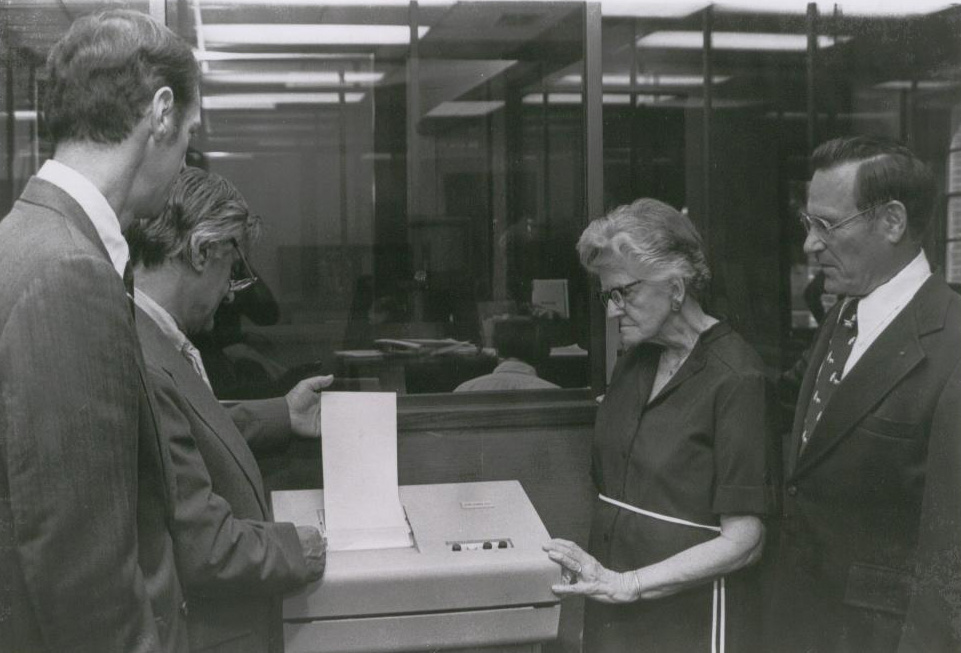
(235, 562)
(518, 349)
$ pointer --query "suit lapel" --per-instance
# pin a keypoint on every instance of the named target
(807, 384)
(42, 193)
(886, 362)
(205, 406)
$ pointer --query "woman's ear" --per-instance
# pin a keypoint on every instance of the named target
(678, 292)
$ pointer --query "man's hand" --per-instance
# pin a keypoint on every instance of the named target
(303, 403)
(314, 546)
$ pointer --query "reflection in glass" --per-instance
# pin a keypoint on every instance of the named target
(411, 193)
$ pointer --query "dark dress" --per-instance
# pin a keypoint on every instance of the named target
(697, 451)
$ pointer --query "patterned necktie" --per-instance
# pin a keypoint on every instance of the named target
(128, 285)
(832, 367)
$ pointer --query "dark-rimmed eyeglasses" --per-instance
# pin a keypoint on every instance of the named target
(618, 295)
(241, 276)
(822, 227)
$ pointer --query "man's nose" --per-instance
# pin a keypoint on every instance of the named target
(813, 243)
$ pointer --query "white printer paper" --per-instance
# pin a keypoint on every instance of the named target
(361, 504)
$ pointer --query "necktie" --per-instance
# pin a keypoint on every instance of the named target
(832, 367)
(193, 357)
(128, 285)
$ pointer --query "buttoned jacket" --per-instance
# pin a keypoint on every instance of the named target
(872, 506)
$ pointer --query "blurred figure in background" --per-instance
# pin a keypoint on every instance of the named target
(519, 350)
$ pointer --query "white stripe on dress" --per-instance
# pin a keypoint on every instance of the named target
(718, 607)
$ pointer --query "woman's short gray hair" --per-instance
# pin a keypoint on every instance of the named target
(202, 206)
(647, 234)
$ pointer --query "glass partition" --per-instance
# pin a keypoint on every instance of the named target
(716, 107)
(27, 30)
(421, 166)
(418, 198)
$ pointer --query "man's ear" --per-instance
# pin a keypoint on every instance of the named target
(162, 114)
(199, 253)
(894, 219)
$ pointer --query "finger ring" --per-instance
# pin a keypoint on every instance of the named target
(578, 569)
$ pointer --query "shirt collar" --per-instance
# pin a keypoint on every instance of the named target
(894, 294)
(166, 322)
(515, 367)
(94, 204)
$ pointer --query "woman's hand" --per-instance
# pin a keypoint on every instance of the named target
(585, 576)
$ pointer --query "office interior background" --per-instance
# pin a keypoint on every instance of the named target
(425, 167)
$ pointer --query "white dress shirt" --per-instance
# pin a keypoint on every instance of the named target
(168, 325)
(879, 308)
(94, 204)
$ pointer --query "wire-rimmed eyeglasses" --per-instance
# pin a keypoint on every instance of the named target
(241, 275)
(618, 294)
(822, 227)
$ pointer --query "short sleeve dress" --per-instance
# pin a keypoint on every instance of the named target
(698, 450)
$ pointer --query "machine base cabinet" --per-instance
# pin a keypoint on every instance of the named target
(474, 579)
(484, 630)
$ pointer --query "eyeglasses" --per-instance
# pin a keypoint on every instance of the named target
(241, 276)
(822, 227)
(617, 295)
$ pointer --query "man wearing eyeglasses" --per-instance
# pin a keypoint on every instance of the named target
(869, 557)
(235, 563)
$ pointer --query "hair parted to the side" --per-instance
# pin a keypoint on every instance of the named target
(202, 205)
(888, 171)
(649, 235)
(104, 72)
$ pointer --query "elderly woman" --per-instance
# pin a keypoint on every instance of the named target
(679, 451)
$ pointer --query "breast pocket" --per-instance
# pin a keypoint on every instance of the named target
(889, 428)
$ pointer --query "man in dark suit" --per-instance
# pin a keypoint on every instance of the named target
(871, 518)
(235, 562)
(86, 560)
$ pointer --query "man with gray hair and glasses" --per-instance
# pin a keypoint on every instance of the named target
(869, 554)
(235, 562)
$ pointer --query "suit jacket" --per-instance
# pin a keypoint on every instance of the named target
(85, 555)
(871, 518)
(235, 562)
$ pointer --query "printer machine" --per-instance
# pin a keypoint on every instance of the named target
(474, 576)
